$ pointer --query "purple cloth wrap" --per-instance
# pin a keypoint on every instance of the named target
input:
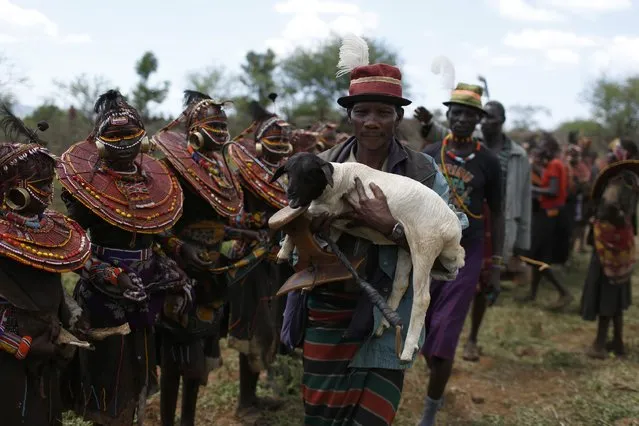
(449, 304)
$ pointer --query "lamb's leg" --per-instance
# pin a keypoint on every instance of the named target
(423, 258)
(400, 284)
(285, 252)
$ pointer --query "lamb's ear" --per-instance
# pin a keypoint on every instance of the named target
(328, 169)
(278, 173)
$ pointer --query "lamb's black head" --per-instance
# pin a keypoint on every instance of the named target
(308, 176)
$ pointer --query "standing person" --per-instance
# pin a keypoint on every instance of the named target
(254, 311)
(351, 376)
(36, 247)
(474, 176)
(431, 131)
(551, 190)
(607, 288)
(516, 185)
(212, 198)
(126, 200)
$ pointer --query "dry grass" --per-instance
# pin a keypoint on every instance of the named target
(533, 372)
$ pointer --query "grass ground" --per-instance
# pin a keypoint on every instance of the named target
(533, 372)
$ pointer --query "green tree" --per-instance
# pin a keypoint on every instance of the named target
(258, 75)
(144, 93)
(524, 118)
(215, 81)
(82, 91)
(65, 126)
(615, 105)
(309, 73)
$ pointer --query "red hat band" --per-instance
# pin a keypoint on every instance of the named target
(376, 84)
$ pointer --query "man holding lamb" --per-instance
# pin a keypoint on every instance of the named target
(352, 376)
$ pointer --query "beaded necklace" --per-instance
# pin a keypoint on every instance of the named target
(462, 161)
(33, 222)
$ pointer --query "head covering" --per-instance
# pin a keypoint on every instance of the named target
(467, 95)
(202, 113)
(116, 120)
(271, 131)
(369, 83)
(24, 144)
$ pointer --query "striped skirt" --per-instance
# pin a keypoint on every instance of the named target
(335, 394)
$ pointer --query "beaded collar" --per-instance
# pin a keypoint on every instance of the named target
(210, 177)
(256, 176)
(146, 202)
(51, 242)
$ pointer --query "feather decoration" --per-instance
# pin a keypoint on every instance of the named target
(352, 54)
(258, 112)
(15, 129)
(442, 65)
(193, 96)
(108, 101)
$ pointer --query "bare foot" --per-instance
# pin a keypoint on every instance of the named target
(562, 302)
(596, 352)
(471, 352)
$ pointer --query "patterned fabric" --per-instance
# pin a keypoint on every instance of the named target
(616, 250)
(333, 393)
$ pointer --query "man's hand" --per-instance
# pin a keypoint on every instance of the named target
(422, 115)
(125, 282)
(371, 212)
(191, 258)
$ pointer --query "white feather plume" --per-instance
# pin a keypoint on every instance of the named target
(442, 65)
(352, 54)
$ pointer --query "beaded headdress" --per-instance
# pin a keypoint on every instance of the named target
(203, 113)
(117, 121)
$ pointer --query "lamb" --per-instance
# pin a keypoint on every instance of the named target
(432, 228)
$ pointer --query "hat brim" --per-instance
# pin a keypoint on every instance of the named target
(609, 172)
(468, 104)
(349, 101)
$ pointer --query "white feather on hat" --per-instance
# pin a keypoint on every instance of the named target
(442, 65)
(352, 54)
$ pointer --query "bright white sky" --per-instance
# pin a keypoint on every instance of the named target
(541, 52)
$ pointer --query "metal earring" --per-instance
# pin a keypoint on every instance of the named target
(101, 148)
(19, 202)
(145, 145)
(258, 149)
(196, 140)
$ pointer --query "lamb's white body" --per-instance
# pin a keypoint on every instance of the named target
(432, 231)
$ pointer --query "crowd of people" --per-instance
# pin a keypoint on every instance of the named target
(169, 236)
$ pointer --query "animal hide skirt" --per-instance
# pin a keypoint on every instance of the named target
(600, 297)
(109, 385)
(29, 398)
(333, 393)
(255, 314)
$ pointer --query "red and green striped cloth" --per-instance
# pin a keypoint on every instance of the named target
(335, 394)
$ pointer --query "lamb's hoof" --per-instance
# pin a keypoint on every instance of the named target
(407, 353)
(382, 328)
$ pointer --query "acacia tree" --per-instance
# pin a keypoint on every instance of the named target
(215, 81)
(615, 105)
(524, 118)
(82, 91)
(309, 73)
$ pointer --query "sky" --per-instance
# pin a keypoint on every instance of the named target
(532, 52)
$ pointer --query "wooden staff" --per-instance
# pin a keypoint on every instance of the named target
(391, 316)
